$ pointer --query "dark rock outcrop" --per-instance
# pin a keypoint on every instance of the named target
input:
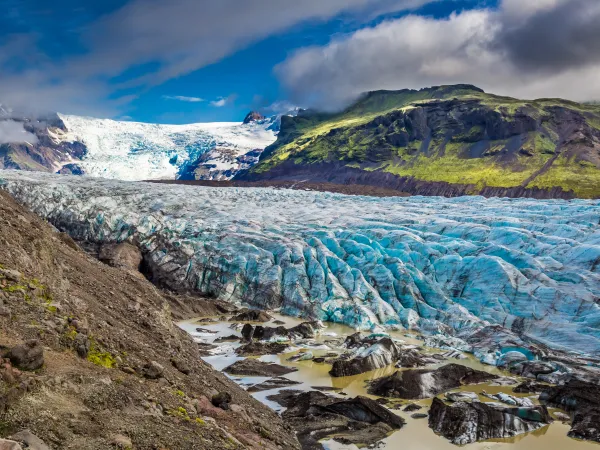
(221, 400)
(582, 400)
(424, 383)
(251, 315)
(586, 425)
(529, 386)
(314, 415)
(254, 368)
(261, 348)
(28, 356)
(253, 116)
(48, 148)
(464, 423)
(305, 330)
(576, 395)
(273, 383)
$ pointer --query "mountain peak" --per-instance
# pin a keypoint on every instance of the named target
(253, 116)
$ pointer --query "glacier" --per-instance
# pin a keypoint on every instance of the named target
(144, 151)
(437, 265)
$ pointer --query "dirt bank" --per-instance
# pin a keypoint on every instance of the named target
(104, 365)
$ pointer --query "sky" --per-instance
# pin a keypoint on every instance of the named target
(184, 61)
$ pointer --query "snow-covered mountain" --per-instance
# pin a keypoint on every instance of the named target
(143, 151)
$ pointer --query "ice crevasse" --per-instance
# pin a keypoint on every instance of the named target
(427, 263)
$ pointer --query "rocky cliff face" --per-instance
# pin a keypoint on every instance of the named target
(444, 141)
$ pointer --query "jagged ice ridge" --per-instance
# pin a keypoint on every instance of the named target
(428, 263)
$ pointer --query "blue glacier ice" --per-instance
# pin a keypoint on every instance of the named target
(434, 264)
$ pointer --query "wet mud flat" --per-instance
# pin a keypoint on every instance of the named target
(302, 381)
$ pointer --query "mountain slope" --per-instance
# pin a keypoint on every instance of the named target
(446, 140)
(98, 332)
(48, 152)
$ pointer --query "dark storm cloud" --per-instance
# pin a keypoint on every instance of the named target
(559, 38)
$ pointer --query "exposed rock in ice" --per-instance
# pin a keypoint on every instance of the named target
(431, 263)
(370, 354)
(425, 383)
(463, 423)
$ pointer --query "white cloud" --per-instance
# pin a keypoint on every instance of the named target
(183, 98)
(173, 38)
(12, 131)
(223, 101)
(552, 51)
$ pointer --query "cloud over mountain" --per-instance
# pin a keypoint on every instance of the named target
(527, 49)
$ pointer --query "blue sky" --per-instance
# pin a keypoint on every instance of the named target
(184, 61)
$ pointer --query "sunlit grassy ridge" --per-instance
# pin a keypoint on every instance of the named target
(478, 139)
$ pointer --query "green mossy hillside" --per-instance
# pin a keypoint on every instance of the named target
(454, 134)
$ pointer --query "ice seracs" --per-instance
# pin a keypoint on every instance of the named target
(442, 266)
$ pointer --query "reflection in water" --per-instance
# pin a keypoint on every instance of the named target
(416, 435)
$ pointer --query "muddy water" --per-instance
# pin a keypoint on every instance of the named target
(416, 434)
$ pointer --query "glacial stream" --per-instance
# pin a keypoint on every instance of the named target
(416, 434)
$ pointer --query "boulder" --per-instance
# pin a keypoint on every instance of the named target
(153, 370)
(254, 368)
(28, 356)
(464, 423)
(247, 332)
(6, 444)
(221, 400)
(273, 383)
(271, 333)
(181, 365)
(124, 255)
(11, 275)
(306, 330)
(412, 407)
(121, 441)
(425, 383)
(261, 348)
(30, 440)
(251, 315)
(82, 345)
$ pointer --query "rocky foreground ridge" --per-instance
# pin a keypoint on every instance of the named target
(444, 140)
(91, 357)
